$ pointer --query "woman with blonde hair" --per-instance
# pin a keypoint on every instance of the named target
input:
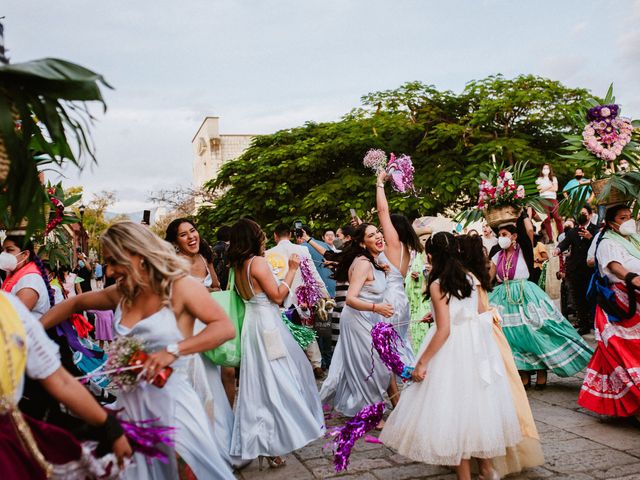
(156, 300)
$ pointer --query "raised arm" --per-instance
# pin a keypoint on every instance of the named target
(319, 248)
(390, 235)
(106, 299)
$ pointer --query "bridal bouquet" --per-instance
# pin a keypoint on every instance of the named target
(400, 169)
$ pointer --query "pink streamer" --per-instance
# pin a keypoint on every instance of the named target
(400, 169)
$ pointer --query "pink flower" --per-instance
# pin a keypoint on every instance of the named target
(605, 112)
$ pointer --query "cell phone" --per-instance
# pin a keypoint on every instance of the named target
(298, 228)
(354, 215)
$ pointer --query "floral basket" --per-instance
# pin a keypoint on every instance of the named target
(614, 196)
(496, 216)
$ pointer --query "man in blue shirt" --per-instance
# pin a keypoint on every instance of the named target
(571, 188)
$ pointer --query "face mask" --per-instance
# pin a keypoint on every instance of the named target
(627, 228)
(504, 242)
(338, 243)
(582, 219)
(81, 264)
(579, 177)
(8, 262)
(545, 171)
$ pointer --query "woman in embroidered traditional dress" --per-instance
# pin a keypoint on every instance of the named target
(540, 337)
(460, 406)
(28, 447)
(217, 395)
(415, 286)
(157, 301)
(612, 383)
(356, 376)
(277, 409)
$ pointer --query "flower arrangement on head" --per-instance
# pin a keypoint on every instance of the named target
(502, 194)
(606, 140)
(400, 169)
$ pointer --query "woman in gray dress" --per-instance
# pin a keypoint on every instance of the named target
(357, 377)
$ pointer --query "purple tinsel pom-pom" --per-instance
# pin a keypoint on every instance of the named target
(145, 438)
(385, 340)
(345, 437)
(401, 171)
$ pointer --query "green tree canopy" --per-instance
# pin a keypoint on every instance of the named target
(315, 172)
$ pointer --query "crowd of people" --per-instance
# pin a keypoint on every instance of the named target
(471, 310)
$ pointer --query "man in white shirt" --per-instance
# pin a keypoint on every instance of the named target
(278, 258)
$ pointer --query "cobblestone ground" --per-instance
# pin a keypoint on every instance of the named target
(577, 444)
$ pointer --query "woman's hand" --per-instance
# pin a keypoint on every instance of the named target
(121, 448)
(428, 318)
(156, 362)
(419, 372)
(415, 276)
(294, 261)
(382, 176)
(305, 236)
(384, 309)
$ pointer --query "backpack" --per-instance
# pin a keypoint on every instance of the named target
(600, 291)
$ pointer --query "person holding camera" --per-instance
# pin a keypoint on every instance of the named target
(578, 273)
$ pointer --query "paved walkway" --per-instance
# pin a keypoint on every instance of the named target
(577, 444)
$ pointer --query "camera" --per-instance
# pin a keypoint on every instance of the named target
(297, 225)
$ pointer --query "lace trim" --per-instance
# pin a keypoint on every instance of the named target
(614, 385)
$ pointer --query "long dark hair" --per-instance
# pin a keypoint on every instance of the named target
(27, 245)
(406, 233)
(353, 251)
(171, 236)
(447, 267)
(245, 241)
(474, 259)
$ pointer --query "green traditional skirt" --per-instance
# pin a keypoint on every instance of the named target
(539, 336)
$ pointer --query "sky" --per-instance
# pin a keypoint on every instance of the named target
(262, 66)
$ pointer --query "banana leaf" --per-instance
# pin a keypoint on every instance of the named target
(43, 121)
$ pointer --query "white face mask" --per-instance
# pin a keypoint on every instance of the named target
(504, 242)
(627, 228)
(8, 262)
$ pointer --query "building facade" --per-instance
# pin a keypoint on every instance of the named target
(211, 150)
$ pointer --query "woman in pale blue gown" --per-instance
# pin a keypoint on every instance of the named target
(356, 376)
(206, 377)
(400, 240)
(277, 409)
(157, 301)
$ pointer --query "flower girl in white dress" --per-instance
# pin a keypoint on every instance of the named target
(460, 405)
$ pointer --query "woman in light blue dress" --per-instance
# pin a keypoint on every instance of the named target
(157, 302)
(277, 409)
(356, 376)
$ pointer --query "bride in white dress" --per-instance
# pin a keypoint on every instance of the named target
(277, 409)
(157, 301)
(461, 405)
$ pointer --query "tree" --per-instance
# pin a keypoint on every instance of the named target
(94, 220)
(315, 171)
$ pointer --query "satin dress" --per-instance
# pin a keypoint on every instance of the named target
(277, 408)
(356, 376)
(176, 404)
(396, 295)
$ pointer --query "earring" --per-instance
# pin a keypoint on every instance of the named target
(177, 248)
(142, 263)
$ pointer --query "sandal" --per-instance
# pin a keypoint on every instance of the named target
(274, 462)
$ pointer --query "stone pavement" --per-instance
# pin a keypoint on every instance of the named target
(577, 444)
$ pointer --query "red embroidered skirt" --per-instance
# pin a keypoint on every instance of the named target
(612, 383)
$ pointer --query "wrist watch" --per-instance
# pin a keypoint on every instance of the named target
(380, 185)
(174, 349)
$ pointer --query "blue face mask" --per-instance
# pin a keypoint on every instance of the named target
(81, 264)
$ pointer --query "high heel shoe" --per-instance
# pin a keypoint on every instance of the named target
(274, 462)
(541, 380)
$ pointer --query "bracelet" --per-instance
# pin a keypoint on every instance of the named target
(380, 185)
(286, 285)
(373, 308)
